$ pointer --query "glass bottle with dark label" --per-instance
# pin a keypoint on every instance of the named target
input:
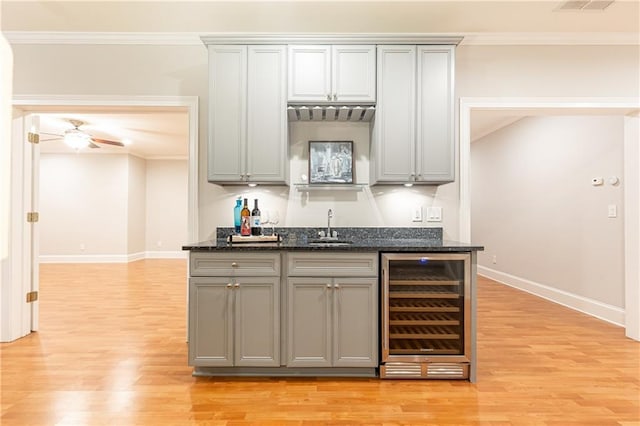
(256, 228)
(245, 220)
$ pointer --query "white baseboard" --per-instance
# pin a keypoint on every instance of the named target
(603, 311)
(166, 254)
(112, 258)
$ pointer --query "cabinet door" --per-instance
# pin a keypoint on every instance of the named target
(355, 326)
(309, 73)
(227, 112)
(393, 142)
(210, 322)
(434, 114)
(266, 109)
(309, 322)
(257, 321)
(353, 72)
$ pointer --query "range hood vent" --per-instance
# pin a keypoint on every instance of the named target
(330, 113)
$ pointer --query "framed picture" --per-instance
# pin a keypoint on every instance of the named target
(330, 162)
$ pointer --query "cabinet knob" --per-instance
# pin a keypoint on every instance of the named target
(229, 285)
(236, 285)
(328, 285)
(234, 264)
(337, 286)
(335, 97)
(329, 97)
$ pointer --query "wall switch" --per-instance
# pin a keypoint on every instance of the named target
(494, 259)
(434, 214)
(612, 210)
(416, 215)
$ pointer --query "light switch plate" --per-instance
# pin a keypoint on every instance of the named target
(416, 214)
(434, 214)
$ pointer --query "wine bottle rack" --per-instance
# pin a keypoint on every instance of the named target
(425, 304)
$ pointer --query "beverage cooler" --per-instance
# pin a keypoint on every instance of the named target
(426, 316)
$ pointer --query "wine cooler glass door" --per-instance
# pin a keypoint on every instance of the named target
(427, 305)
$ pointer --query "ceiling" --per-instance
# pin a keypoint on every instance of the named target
(154, 134)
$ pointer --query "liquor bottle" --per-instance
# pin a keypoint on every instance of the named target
(245, 220)
(256, 229)
(236, 215)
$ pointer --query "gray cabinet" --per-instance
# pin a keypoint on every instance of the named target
(332, 310)
(247, 114)
(325, 73)
(234, 310)
(413, 133)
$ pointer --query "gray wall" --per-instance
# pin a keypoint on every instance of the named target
(535, 210)
(511, 71)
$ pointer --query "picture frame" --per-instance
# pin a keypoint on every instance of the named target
(331, 162)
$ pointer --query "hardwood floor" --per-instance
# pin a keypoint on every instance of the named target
(111, 351)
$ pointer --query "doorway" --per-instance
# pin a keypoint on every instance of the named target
(56, 104)
(623, 107)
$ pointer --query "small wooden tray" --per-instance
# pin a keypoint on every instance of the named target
(254, 239)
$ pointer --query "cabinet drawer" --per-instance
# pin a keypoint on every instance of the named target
(332, 264)
(234, 264)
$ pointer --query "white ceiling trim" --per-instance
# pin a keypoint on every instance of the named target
(192, 39)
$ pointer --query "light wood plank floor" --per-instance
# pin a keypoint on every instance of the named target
(111, 351)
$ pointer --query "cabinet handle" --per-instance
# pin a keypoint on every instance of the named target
(234, 264)
(229, 285)
(236, 285)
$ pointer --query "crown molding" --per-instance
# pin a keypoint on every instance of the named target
(197, 39)
(60, 37)
(597, 39)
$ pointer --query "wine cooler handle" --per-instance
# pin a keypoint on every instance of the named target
(385, 316)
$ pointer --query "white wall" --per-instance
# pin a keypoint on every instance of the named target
(136, 205)
(166, 205)
(513, 71)
(83, 203)
(535, 210)
(113, 205)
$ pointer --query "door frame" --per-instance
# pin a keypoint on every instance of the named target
(631, 180)
(13, 327)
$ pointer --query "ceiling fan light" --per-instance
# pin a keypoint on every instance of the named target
(76, 139)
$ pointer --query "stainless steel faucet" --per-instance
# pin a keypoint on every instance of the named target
(329, 216)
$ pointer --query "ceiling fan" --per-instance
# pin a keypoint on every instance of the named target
(78, 139)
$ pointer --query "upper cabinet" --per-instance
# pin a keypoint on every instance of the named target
(412, 138)
(247, 114)
(335, 74)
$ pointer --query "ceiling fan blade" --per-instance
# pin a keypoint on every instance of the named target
(107, 142)
(51, 139)
(93, 145)
(51, 134)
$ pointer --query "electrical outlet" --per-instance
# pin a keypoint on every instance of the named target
(416, 214)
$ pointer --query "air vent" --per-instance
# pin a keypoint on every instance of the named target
(330, 113)
(585, 5)
(447, 371)
(400, 370)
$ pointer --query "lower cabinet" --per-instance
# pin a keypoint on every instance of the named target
(325, 315)
(332, 322)
(332, 310)
(234, 321)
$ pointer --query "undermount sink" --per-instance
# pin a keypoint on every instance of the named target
(329, 242)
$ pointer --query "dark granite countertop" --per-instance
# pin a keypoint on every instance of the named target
(360, 239)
